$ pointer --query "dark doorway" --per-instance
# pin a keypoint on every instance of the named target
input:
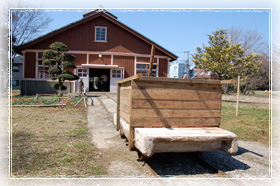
(96, 82)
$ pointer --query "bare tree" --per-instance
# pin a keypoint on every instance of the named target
(251, 40)
(27, 24)
(254, 42)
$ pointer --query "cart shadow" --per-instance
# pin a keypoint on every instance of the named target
(176, 164)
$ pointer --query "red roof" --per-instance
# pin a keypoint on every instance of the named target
(201, 74)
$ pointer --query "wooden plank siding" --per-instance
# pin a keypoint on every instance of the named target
(174, 94)
(127, 62)
(81, 38)
(40, 54)
(80, 59)
(167, 104)
(124, 103)
(175, 113)
(163, 68)
(177, 104)
(30, 65)
(158, 122)
(145, 59)
(95, 59)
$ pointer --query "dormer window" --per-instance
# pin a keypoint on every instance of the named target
(100, 34)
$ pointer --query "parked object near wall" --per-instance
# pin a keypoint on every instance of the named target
(30, 87)
(172, 115)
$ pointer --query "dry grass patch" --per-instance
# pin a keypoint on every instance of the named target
(52, 142)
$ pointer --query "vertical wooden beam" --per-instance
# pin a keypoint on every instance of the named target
(36, 65)
(135, 60)
(131, 128)
(23, 64)
(151, 61)
(112, 59)
(118, 107)
(238, 91)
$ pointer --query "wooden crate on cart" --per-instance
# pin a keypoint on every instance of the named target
(172, 115)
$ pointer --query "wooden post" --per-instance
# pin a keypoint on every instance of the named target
(131, 128)
(118, 107)
(238, 91)
(151, 61)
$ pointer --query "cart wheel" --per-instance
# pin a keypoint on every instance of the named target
(122, 135)
(141, 157)
(144, 158)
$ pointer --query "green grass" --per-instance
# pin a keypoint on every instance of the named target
(77, 98)
(53, 142)
(33, 101)
(252, 123)
(16, 91)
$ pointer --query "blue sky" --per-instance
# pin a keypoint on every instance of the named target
(177, 30)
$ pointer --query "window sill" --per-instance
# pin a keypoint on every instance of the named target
(101, 41)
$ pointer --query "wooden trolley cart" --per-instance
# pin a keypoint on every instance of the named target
(172, 115)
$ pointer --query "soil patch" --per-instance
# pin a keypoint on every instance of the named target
(52, 142)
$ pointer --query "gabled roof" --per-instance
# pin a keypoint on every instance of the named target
(97, 11)
(88, 17)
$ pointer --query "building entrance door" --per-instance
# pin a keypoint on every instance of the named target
(99, 80)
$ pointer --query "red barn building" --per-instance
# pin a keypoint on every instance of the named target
(102, 45)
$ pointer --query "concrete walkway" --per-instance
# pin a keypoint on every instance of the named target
(115, 156)
(97, 113)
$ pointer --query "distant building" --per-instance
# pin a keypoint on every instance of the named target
(178, 70)
(201, 74)
(17, 72)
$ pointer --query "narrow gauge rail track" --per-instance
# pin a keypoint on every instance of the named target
(195, 157)
(207, 166)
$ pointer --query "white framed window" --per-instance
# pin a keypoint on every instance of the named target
(143, 68)
(116, 73)
(82, 72)
(43, 72)
(101, 34)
